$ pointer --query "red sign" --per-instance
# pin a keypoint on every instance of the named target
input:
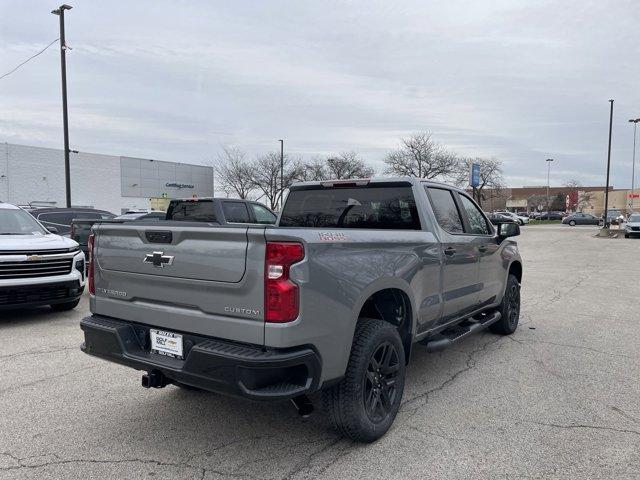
(634, 195)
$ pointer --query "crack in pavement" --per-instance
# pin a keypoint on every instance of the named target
(469, 364)
(37, 352)
(624, 414)
(567, 345)
(583, 426)
(306, 464)
(46, 379)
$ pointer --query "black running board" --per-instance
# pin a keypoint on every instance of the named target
(462, 330)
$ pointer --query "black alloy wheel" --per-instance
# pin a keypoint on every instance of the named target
(380, 382)
(513, 306)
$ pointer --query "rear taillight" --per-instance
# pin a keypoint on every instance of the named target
(90, 267)
(281, 295)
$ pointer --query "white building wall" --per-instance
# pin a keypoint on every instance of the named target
(34, 174)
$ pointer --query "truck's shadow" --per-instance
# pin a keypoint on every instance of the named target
(265, 440)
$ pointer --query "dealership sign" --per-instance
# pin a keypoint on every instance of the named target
(475, 174)
(178, 185)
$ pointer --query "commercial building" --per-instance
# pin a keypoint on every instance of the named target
(35, 175)
(584, 199)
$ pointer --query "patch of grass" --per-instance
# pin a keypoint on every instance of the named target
(545, 222)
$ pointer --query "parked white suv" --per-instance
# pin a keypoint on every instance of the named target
(37, 267)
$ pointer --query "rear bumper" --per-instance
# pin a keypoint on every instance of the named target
(249, 371)
(24, 296)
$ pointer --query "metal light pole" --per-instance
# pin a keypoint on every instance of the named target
(281, 171)
(606, 192)
(633, 163)
(65, 120)
(548, 160)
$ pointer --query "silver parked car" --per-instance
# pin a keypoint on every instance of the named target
(632, 226)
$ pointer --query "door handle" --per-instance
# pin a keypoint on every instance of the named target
(449, 251)
(482, 248)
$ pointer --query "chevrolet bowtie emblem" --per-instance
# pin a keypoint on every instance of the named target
(158, 259)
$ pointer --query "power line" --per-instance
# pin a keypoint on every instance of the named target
(28, 59)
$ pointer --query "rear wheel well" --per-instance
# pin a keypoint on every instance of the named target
(515, 269)
(391, 305)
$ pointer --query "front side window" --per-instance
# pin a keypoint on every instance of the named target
(235, 212)
(445, 210)
(477, 223)
(18, 222)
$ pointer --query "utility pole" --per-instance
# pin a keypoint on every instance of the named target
(633, 163)
(548, 160)
(65, 119)
(281, 172)
(606, 192)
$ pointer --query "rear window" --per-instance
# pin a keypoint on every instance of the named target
(383, 207)
(190, 211)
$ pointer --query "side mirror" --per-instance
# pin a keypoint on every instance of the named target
(52, 230)
(508, 230)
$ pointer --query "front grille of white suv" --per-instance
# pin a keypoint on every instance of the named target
(42, 267)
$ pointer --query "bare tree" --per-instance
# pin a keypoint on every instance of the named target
(534, 202)
(585, 200)
(234, 172)
(491, 180)
(347, 165)
(313, 171)
(266, 176)
(420, 156)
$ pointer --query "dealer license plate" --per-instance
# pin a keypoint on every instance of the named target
(166, 343)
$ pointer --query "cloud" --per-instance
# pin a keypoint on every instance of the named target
(510, 79)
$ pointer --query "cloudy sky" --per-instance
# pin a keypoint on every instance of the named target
(173, 80)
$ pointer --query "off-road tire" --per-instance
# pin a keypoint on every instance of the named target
(64, 307)
(509, 308)
(345, 402)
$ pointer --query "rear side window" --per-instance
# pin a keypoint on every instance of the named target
(374, 207)
(263, 215)
(445, 209)
(235, 212)
(191, 211)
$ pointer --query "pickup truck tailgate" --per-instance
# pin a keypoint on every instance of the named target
(200, 279)
(215, 254)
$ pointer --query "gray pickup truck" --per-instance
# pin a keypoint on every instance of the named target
(329, 301)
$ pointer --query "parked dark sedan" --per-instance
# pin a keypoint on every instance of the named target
(581, 219)
(550, 216)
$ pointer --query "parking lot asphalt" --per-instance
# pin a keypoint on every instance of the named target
(558, 399)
